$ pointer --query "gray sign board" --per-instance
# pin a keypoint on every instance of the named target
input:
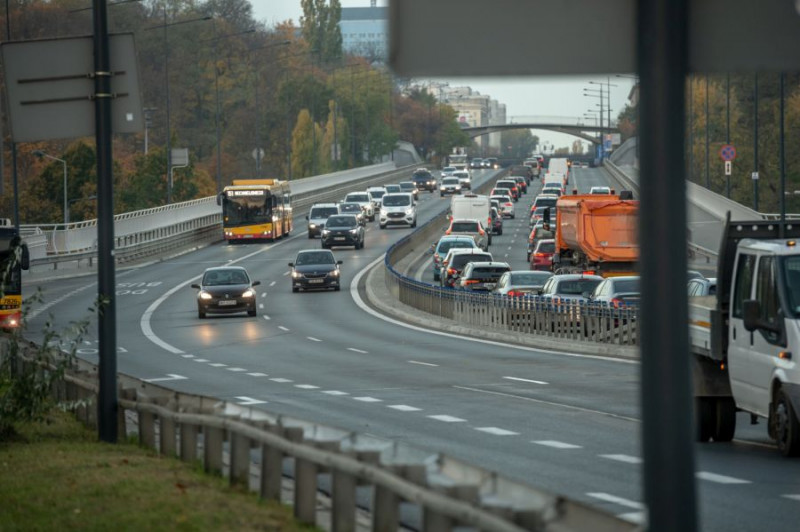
(50, 87)
(579, 37)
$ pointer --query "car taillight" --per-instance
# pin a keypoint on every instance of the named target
(513, 293)
(617, 302)
(509, 204)
(481, 232)
(471, 281)
(451, 271)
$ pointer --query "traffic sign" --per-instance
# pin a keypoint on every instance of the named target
(728, 169)
(727, 152)
(754, 175)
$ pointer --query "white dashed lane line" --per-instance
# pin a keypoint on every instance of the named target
(218, 365)
(497, 431)
(281, 327)
(261, 306)
(335, 392)
(306, 386)
(720, 479)
(266, 317)
(607, 497)
(286, 273)
(354, 350)
(791, 496)
(243, 400)
(423, 363)
(237, 370)
(271, 284)
(556, 444)
(447, 419)
(368, 399)
(263, 294)
(281, 380)
(405, 408)
(525, 380)
(313, 339)
(187, 356)
(256, 374)
(622, 458)
(201, 360)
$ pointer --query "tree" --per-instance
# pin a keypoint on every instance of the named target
(302, 145)
(320, 27)
(519, 143)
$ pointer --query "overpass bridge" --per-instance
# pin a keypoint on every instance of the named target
(569, 125)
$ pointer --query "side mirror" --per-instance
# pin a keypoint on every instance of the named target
(25, 258)
(196, 286)
(751, 309)
(306, 217)
(255, 283)
(291, 264)
(587, 295)
(339, 262)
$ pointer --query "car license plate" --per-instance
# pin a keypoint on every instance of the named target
(227, 303)
(338, 238)
(315, 281)
(489, 286)
(248, 236)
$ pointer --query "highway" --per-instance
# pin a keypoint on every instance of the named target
(556, 420)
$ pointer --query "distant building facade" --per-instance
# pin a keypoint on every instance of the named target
(365, 31)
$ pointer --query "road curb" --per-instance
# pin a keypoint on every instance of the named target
(379, 296)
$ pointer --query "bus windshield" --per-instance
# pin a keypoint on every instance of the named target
(246, 210)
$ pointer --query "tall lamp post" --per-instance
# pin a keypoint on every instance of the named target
(40, 154)
(258, 109)
(608, 85)
(166, 83)
(592, 93)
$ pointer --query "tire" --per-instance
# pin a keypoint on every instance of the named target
(441, 195)
(295, 289)
(437, 277)
(787, 428)
(725, 425)
(200, 314)
(252, 312)
(512, 217)
(337, 288)
(310, 235)
(413, 225)
(704, 422)
(372, 218)
(382, 226)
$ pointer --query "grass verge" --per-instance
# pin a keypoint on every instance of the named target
(56, 476)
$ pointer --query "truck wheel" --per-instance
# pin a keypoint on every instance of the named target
(787, 428)
(725, 423)
(704, 418)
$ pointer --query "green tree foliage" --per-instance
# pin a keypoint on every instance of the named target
(303, 153)
(519, 143)
(628, 122)
(320, 27)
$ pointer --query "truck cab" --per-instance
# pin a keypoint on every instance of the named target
(753, 335)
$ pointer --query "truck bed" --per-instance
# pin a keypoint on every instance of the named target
(700, 309)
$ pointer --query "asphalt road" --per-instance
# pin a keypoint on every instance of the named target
(563, 422)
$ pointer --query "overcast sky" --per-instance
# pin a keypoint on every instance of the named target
(523, 96)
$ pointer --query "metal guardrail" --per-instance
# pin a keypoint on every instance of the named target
(155, 235)
(591, 322)
(241, 442)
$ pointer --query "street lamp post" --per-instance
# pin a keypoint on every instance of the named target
(40, 154)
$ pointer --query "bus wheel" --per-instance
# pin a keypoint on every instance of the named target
(704, 413)
(725, 425)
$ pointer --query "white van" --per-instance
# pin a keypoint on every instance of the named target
(472, 207)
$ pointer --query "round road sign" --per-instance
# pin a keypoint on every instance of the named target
(727, 152)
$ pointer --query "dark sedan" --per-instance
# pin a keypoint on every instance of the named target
(343, 230)
(313, 268)
(226, 290)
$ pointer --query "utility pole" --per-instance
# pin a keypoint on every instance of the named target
(727, 127)
(755, 143)
(708, 170)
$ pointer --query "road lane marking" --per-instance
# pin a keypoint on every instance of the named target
(287, 273)
(607, 497)
(313, 339)
(423, 363)
(367, 399)
(218, 365)
(271, 284)
(791, 496)
(264, 294)
(335, 392)
(447, 419)
(551, 403)
(266, 317)
(243, 400)
(237, 370)
(557, 444)
(144, 322)
(306, 386)
(281, 327)
(405, 408)
(622, 458)
(187, 356)
(256, 374)
(354, 350)
(720, 479)
(169, 377)
(281, 380)
(637, 518)
(366, 308)
(200, 360)
(261, 306)
(497, 431)
(525, 380)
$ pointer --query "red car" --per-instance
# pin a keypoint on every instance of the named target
(542, 256)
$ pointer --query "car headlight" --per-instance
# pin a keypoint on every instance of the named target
(441, 187)
(204, 295)
(353, 231)
(409, 212)
(249, 293)
(296, 274)
(312, 226)
(431, 182)
(325, 232)
(334, 273)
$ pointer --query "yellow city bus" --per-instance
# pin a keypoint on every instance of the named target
(256, 209)
(13, 259)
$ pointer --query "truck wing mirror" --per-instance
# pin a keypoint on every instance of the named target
(751, 310)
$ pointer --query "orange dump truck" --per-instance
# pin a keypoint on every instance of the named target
(597, 232)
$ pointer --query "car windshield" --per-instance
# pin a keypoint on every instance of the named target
(397, 201)
(392, 188)
(546, 202)
(791, 274)
(406, 185)
(628, 285)
(546, 247)
(447, 245)
(225, 277)
(322, 212)
(489, 271)
(530, 278)
(358, 198)
(577, 286)
(459, 261)
(314, 257)
(377, 193)
(541, 233)
(342, 221)
(464, 227)
(450, 181)
(461, 174)
(449, 169)
(423, 175)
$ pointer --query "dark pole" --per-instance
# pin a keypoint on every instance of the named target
(782, 153)
(755, 143)
(727, 127)
(353, 113)
(391, 110)
(216, 104)
(608, 98)
(690, 173)
(258, 126)
(169, 129)
(666, 392)
(288, 125)
(107, 396)
(15, 183)
(708, 171)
